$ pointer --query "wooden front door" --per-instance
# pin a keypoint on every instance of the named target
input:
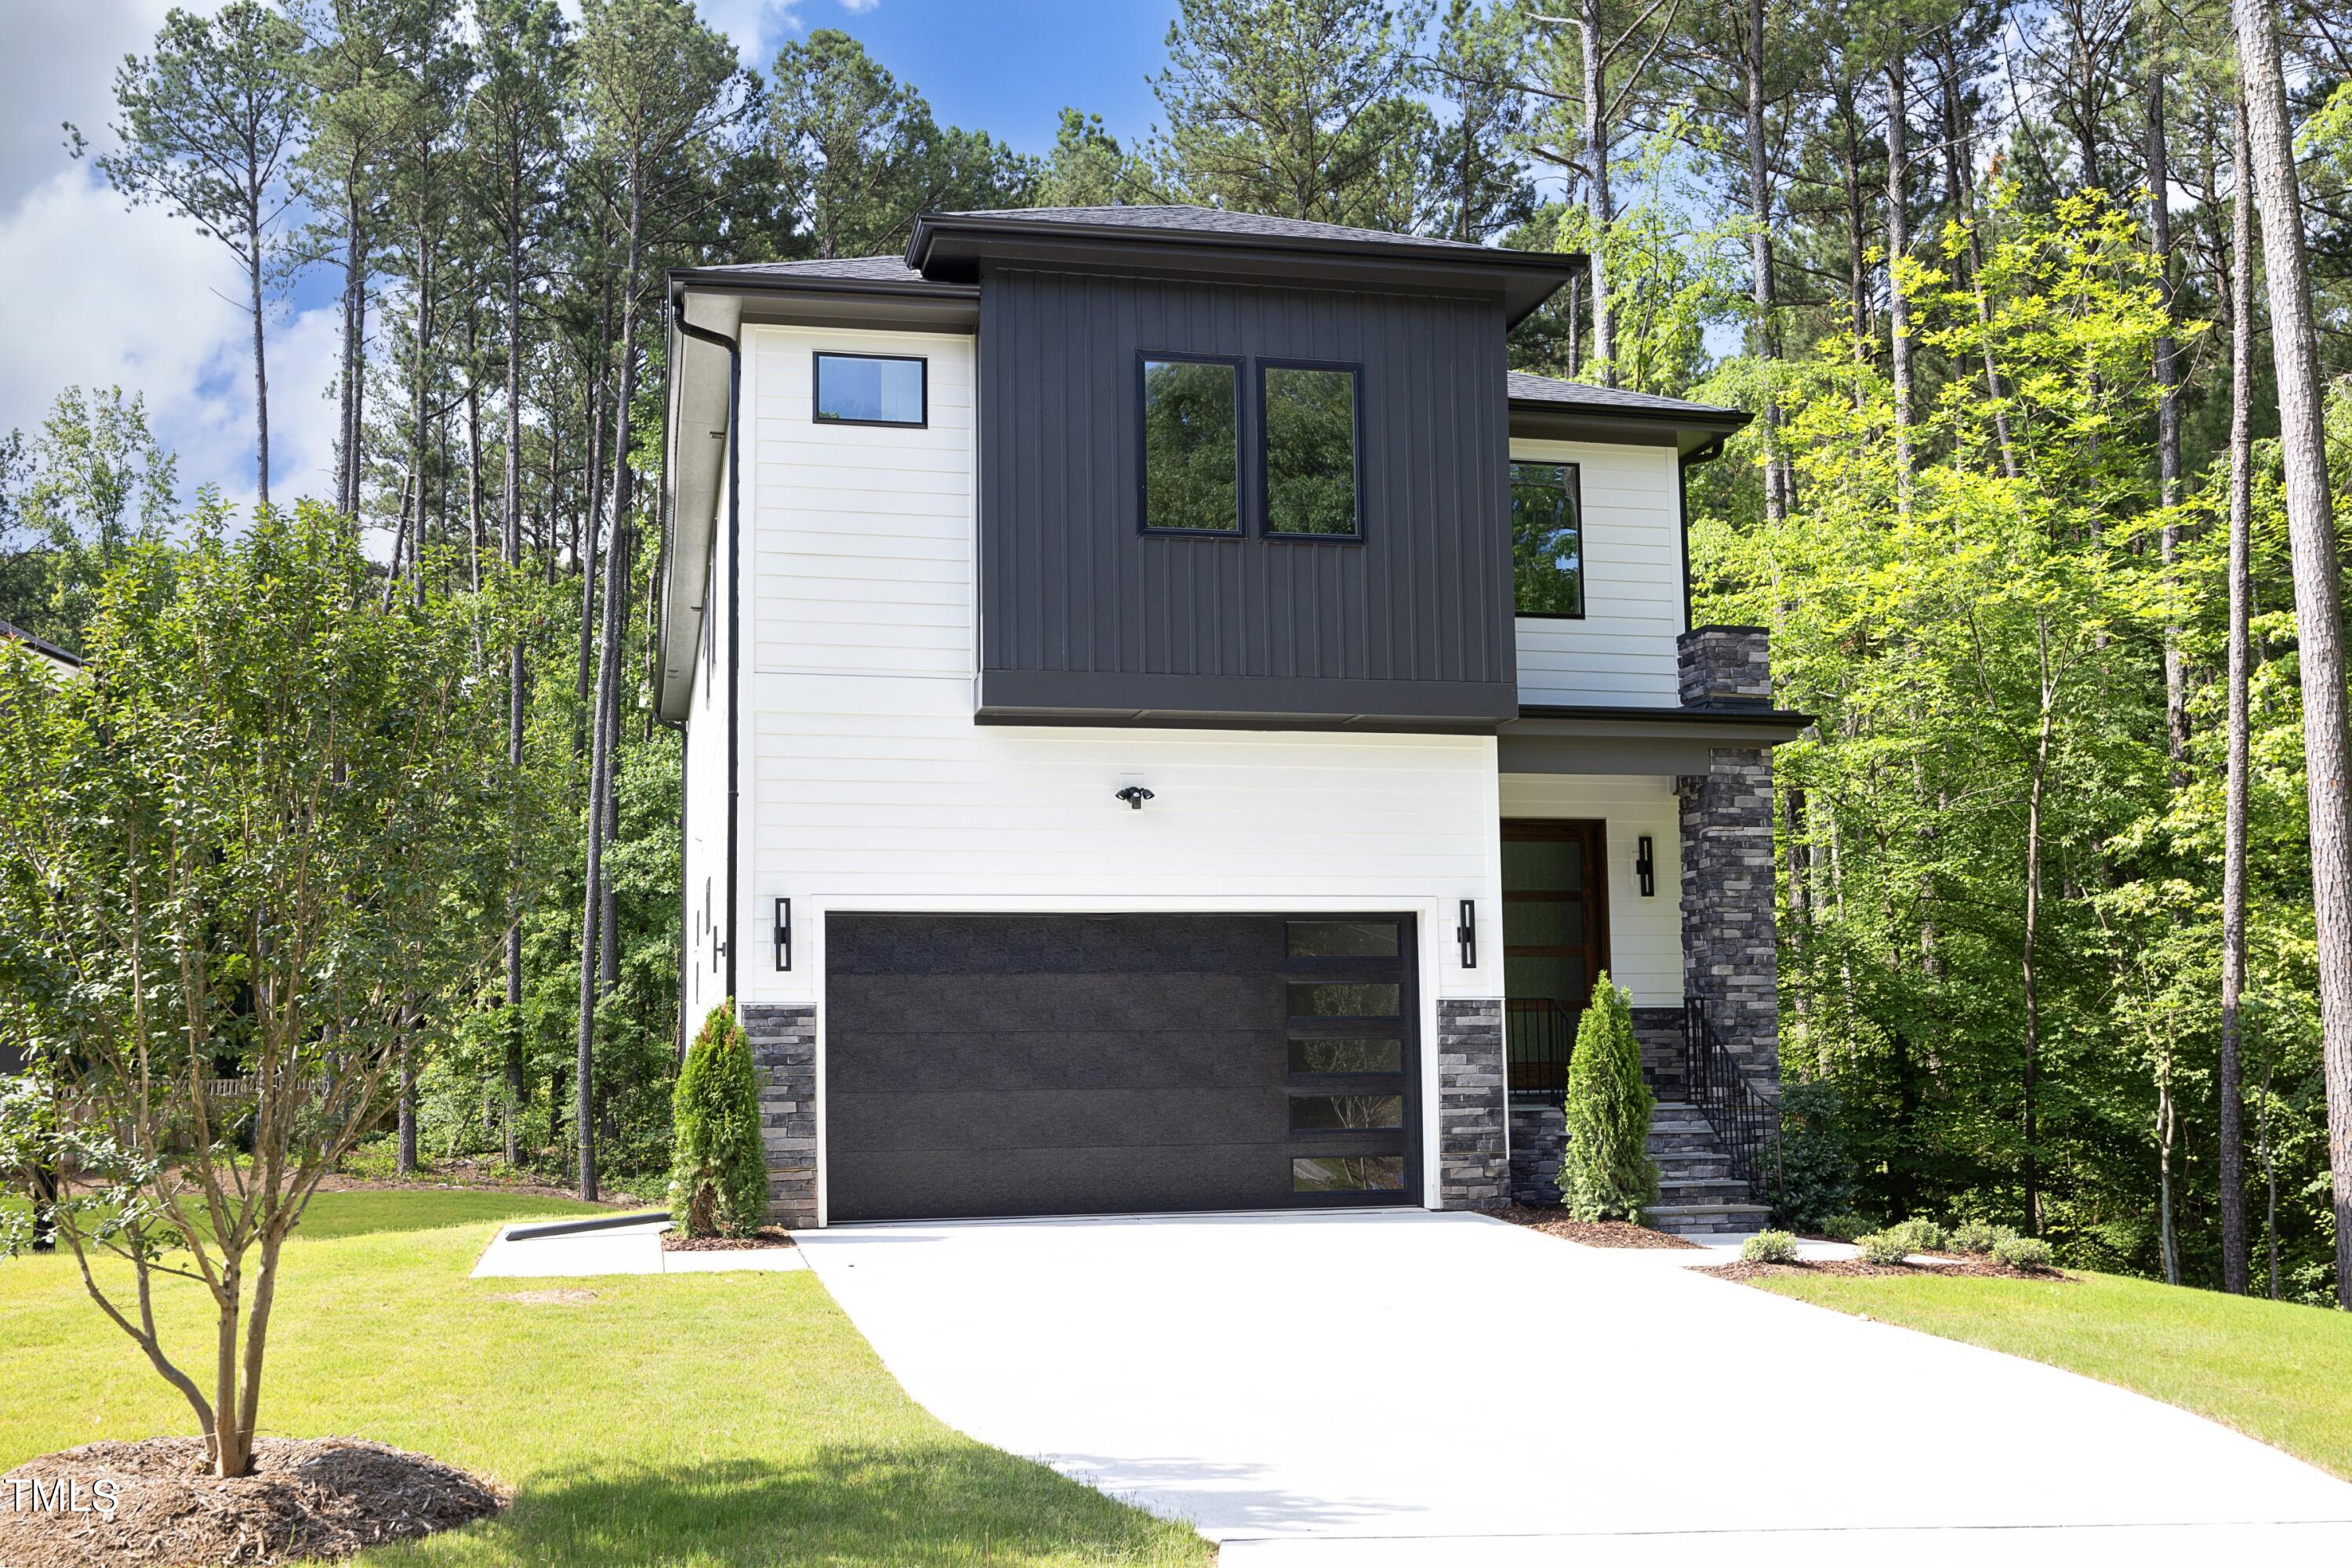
(1555, 942)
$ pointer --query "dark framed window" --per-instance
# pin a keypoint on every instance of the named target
(1312, 480)
(872, 389)
(1547, 539)
(1191, 445)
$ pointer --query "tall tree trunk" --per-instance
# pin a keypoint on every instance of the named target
(2230, 1072)
(1762, 343)
(510, 555)
(1598, 206)
(260, 357)
(1898, 308)
(2318, 599)
(2168, 394)
(347, 460)
(2029, 951)
(405, 1162)
(473, 455)
(1960, 177)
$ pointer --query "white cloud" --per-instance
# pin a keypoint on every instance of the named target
(859, 7)
(756, 27)
(107, 295)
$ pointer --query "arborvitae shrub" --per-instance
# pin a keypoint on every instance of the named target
(1605, 1169)
(719, 1168)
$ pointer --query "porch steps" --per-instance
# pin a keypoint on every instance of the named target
(1698, 1195)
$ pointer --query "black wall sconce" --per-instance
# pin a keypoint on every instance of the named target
(1135, 796)
(783, 934)
(1467, 933)
(1645, 867)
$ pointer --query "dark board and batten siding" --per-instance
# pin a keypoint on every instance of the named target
(1084, 615)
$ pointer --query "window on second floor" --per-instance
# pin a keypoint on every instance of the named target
(870, 389)
(1310, 451)
(1191, 447)
(1547, 539)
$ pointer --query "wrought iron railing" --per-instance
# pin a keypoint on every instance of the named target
(1747, 1123)
(1539, 1037)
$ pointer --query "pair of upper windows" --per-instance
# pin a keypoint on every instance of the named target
(1308, 478)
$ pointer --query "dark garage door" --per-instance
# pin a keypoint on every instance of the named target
(1070, 1064)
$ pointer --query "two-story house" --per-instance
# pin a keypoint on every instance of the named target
(1172, 723)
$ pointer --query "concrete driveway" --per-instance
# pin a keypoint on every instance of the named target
(1385, 1389)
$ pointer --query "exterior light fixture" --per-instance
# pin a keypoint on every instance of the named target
(1645, 867)
(1467, 933)
(783, 934)
(1135, 796)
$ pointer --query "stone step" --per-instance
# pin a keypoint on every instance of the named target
(1706, 1219)
(1703, 1189)
(1714, 1170)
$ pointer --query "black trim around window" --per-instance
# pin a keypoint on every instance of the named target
(1572, 482)
(1144, 360)
(816, 384)
(1355, 374)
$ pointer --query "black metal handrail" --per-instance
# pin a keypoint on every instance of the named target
(1540, 1036)
(1747, 1123)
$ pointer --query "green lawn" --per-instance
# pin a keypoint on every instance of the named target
(687, 1419)
(2282, 1374)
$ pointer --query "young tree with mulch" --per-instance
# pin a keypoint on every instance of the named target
(257, 839)
(718, 1171)
(1605, 1169)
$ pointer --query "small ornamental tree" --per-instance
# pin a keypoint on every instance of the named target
(256, 837)
(719, 1167)
(1605, 1169)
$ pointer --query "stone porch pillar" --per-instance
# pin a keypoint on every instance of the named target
(1730, 959)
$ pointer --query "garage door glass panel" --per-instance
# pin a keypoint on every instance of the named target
(1343, 939)
(1321, 1000)
(1348, 1173)
(1346, 1112)
(1347, 1056)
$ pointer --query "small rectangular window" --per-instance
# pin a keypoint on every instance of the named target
(1342, 939)
(1547, 539)
(1346, 1056)
(1346, 1112)
(1191, 447)
(1310, 452)
(871, 389)
(1349, 1174)
(1344, 1001)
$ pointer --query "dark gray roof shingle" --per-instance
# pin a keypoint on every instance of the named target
(852, 268)
(1525, 388)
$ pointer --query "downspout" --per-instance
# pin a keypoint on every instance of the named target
(1682, 466)
(734, 615)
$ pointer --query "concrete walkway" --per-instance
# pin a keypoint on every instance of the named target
(625, 1250)
(1401, 1389)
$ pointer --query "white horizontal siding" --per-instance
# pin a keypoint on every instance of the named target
(704, 981)
(1645, 936)
(859, 537)
(1621, 654)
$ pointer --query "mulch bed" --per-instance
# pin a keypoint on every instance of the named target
(327, 1496)
(1975, 1268)
(1602, 1233)
(765, 1236)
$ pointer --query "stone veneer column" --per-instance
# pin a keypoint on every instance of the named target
(1473, 1162)
(783, 1055)
(1730, 959)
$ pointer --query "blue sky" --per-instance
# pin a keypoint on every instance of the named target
(138, 298)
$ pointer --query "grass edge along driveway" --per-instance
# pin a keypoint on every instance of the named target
(702, 1419)
(2278, 1373)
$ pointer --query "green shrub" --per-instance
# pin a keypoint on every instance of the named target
(2029, 1254)
(1977, 1236)
(1846, 1226)
(1812, 1174)
(719, 1168)
(1883, 1247)
(1605, 1169)
(1921, 1235)
(1769, 1246)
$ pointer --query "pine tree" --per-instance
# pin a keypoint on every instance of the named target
(1605, 1169)
(718, 1174)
